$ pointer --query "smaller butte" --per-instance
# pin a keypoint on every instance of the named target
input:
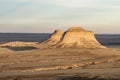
(53, 40)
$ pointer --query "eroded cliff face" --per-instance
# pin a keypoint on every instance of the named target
(55, 37)
(75, 37)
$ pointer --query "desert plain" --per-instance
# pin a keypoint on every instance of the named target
(37, 61)
(60, 64)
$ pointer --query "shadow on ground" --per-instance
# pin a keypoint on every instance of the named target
(20, 48)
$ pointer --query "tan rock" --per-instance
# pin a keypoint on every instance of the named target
(56, 36)
(79, 38)
(18, 44)
(54, 39)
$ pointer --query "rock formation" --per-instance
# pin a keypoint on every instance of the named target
(80, 38)
(53, 40)
(56, 37)
(75, 37)
(18, 44)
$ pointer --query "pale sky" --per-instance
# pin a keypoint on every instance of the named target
(37, 16)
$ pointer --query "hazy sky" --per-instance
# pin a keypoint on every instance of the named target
(100, 16)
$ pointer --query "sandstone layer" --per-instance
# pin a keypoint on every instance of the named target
(18, 44)
(75, 37)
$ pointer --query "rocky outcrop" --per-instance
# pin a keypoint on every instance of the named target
(75, 37)
(55, 37)
(18, 44)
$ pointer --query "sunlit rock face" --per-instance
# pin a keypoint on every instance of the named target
(77, 37)
(55, 37)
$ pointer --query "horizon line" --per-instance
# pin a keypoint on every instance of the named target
(52, 32)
